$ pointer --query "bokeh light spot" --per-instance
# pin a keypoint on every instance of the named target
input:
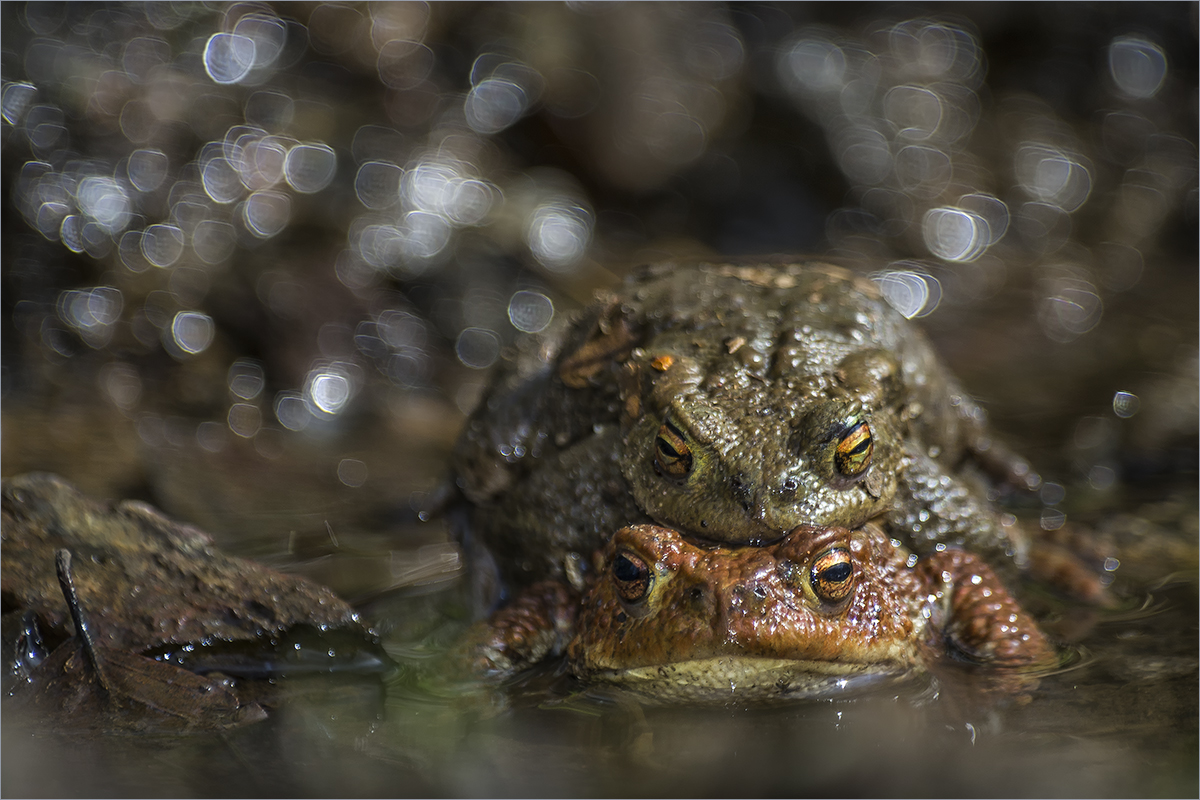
(245, 379)
(71, 233)
(147, 169)
(1125, 404)
(913, 294)
(991, 209)
(105, 201)
(309, 168)
(953, 234)
(122, 384)
(228, 57)
(266, 213)
(530, 312)
(352, 472)
(221, 180)
(15, 100)
(1053, 176)
(1070, 308)
(493, 105)
(477, 348)
(377, 184)
(813, 64)
(328, 389)
(1138, 66)
(244, 419)
(267, 33)
(162, 244)
(213, 241)
(559, 234)
(192, 332)
(291, 411)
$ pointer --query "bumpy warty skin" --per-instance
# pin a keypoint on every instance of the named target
(821, 612)
(757, 376)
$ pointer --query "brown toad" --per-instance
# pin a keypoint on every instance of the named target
(816, 613)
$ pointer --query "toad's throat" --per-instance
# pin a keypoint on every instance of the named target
(721, 678)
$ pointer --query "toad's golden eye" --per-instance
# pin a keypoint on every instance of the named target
(631, 576)
(832, 575)
(672, 456)
(853, 454)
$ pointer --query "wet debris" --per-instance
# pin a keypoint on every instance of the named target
(101, 604)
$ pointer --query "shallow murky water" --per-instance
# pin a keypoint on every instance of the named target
(257, 259)
(1120, 722)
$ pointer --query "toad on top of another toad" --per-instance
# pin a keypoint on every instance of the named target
(733, 404)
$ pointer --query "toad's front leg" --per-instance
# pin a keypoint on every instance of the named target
(979, 618)
(935, 507)
(536, 625)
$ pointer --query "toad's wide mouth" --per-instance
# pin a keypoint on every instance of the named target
(725, 679)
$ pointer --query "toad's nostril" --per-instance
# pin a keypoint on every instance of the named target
(737, 485)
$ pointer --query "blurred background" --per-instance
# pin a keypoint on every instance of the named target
(258, 258)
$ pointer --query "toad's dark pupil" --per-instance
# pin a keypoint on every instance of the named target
(632, 577)
(832, 575)
(836, 573)
(625, 570)
(853, 452)
(672, 455)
